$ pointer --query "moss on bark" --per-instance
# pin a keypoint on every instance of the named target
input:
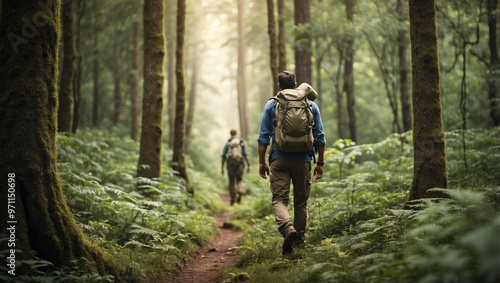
(45, 226)
(428, 134)
(152, 103)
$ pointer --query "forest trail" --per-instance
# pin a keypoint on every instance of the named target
(205, 265)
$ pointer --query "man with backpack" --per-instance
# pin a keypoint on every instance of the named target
(293, 122)
(235, 154)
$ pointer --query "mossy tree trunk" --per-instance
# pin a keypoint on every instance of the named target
(77, 79)
(117, 95)
(95, 90)
(429, 161)
(349, 73)
(302, 47)
(179, 149)
(403, 69)
(152, 102)
(273, 45)
(494, 62)
(281, 37)
(41, 219)
(64, 118)
(134, 84)
(171, 88)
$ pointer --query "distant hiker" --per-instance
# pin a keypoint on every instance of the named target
(236, 155)
(296, 132)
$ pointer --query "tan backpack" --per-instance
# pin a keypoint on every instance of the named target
(294, 119)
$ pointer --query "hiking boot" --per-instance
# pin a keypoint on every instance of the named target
(288, 243)
(239, 197)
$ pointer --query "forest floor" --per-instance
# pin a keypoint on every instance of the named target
(206, 264)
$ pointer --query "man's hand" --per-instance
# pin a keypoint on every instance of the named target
(263, 170)
(248, 169)
(222, 170)
(318, 171)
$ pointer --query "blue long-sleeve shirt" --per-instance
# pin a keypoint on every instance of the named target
(267, 132)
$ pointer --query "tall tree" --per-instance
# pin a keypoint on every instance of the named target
(349, 72)
(171, 88)
(95, 91)
(117, 96)
(429, 161)
(281, 37)
(494, 63)
(43, 223)
(66, 89)
(403, 69)
(152, 102)
(242, 73)
(302, 48)
(273, 45)
(195, 69)
(179, 149)
(77, 79)
(134, 93)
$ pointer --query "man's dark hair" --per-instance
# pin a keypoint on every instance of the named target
(286, 80)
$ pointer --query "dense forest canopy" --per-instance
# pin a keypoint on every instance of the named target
(211, 30)
(82, 80)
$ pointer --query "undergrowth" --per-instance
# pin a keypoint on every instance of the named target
(358, 231)
(148, 236)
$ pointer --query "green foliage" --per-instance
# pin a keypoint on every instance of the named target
(358, 231)
(148, 235)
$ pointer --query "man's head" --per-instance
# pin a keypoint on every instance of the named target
(286, 80)
(233, 132)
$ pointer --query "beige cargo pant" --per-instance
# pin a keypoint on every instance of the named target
(299, 173)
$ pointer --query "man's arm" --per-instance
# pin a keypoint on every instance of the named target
(222, 165)
(263, 168)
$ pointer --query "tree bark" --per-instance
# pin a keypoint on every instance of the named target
(66, 89)
(134, 94)
(39, 216)
(429, 161)
(281, 38)
(242, 73)
(180, 101)
(302, 48)
(349, 75)
(273, 45)
(403, 68)
(117, 96)
(494, 62)
(171, 88)
(152, 103)
(77, 79)
(95, 102)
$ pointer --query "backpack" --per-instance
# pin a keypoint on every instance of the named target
(235, 154)
(293, 121)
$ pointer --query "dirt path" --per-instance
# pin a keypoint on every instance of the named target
(204, 266)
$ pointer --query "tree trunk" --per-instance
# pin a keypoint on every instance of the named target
(180, 101)
(241, 79)
(339, 96)
(429, 161)
(38, 216)
(134, 94)
(349, 75)
(77, 79)
(95, 106)
(66, 89)
(302, 46)
(117, 96)
(194, 85)
(494, 62)
(281, 38)
(273, 45)
(403, 68)
(152, 102)
(171, 88)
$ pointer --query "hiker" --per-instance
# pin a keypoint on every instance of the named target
(236, 155)
(290, 155)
